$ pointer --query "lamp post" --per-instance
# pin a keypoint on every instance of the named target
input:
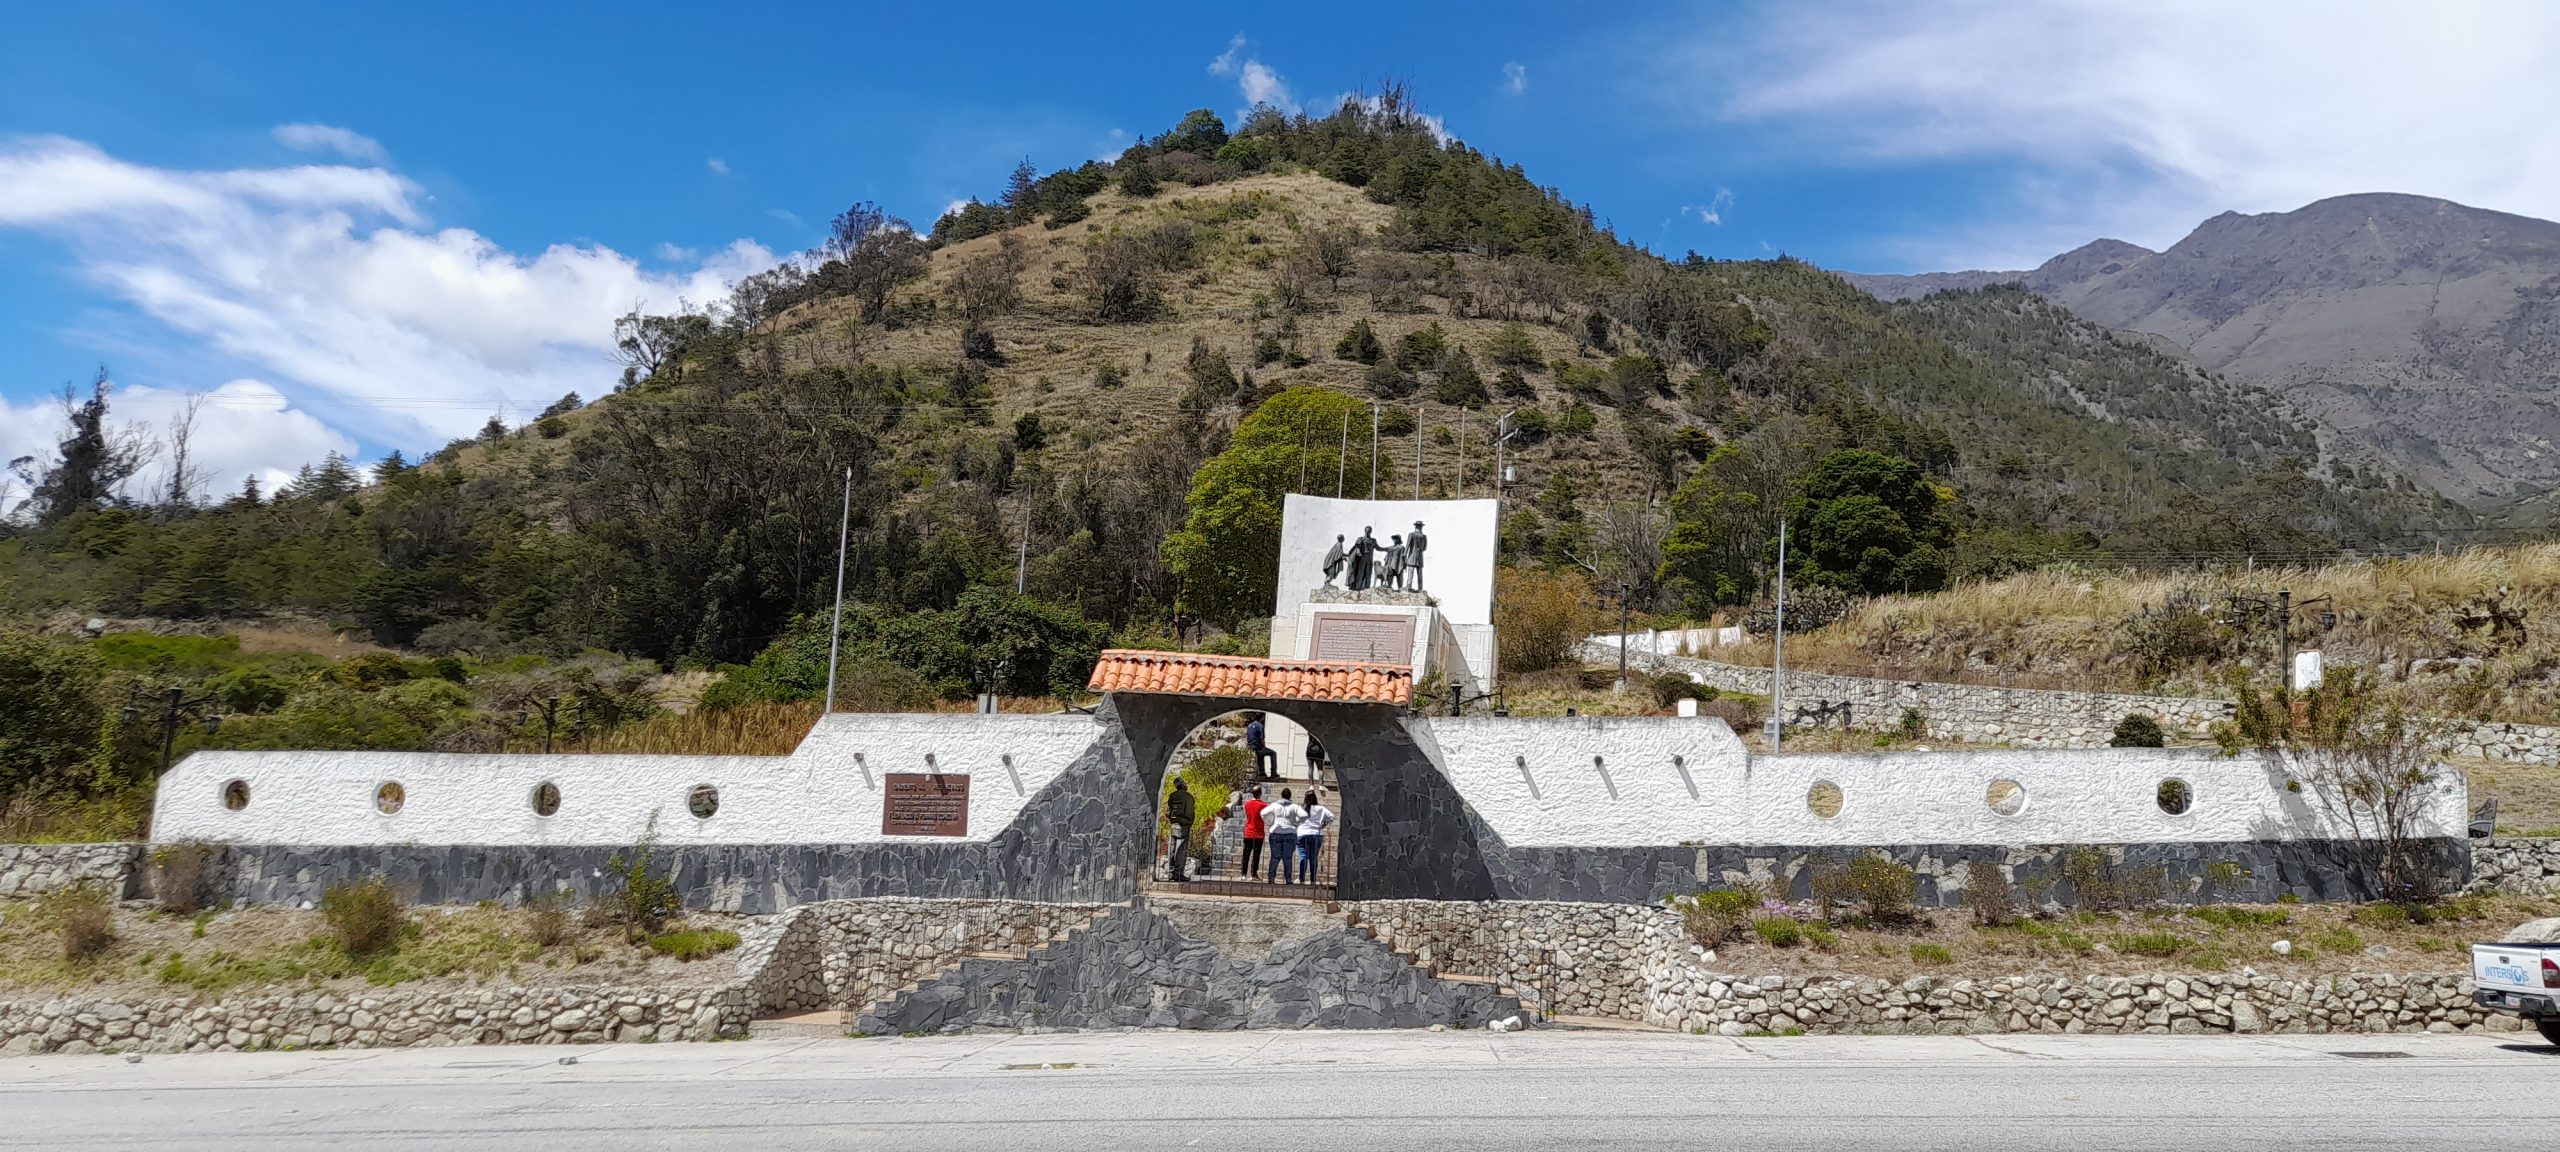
(1778, 656)
(1626, 596)
(2283, 606)
(173, 702)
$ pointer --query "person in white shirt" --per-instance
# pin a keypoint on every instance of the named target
(1311, 828)
(1280, 828)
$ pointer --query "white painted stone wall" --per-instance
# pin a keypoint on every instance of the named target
(827, 791)
(1618, 782)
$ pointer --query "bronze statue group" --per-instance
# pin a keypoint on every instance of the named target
(1364, 564)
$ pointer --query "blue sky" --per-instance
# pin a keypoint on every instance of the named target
(361, 227)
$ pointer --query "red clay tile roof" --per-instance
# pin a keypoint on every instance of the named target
(1186, 674)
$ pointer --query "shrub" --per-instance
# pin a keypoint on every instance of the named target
(2340, 939)
(2153, 943)
(365, 916)
(1669, 688)
(1138, 180)
(980, 345)
(2103, 884)
(694, 944)
(1717, 916)
(646, 900)
(547, 919)
(1932, 954)
(1883, 890)
(1540, 615)
(2137, 730)
(178, 876)
(2231, 916)
(1110, 376)
(84, 915)
(1989, 895)
(1743, 716)
(1360, 344)
(2381, 916)
(1388, 382)
(1779, 931)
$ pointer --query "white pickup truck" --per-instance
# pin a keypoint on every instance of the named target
(2522, 975)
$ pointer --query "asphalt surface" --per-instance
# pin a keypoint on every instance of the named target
(1299, 1091)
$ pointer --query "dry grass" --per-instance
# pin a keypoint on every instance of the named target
(2528, 795)
(746, 730)
(155, 954)
(2487, 620)
(2327, 939)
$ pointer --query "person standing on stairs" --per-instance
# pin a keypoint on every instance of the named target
(1311, 835)
(1266, 763)
(1280, 822)
(1179, 811)
(1253, 832)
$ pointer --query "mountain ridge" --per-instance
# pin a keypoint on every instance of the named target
(2418, 333)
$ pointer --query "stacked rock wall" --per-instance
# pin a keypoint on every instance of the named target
(35, 869)
(852, 954)
(386, 1018)
(1637, 964)
(2027, 717)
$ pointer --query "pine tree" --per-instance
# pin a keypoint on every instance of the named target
(392, 465)
(1022, 191)
(1360, 343)
(93, 464)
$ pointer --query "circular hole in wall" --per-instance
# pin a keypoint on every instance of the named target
(388, 798)
(702, 801)
(2006, 797)
(2175, 797)
(546, 798)
(1824, 799)
(235, 795)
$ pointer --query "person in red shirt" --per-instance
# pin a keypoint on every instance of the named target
(1253, 834)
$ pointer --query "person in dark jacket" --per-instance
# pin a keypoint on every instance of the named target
(1179, 811)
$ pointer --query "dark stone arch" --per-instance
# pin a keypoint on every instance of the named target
(1406, 833)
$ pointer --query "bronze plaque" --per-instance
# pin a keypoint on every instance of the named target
(1371, 638)
(923, 804)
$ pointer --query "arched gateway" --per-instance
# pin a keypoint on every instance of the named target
(1405, 833)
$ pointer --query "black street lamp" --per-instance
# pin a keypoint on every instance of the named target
(1626, 598)
(173, 703)
(2284, 607)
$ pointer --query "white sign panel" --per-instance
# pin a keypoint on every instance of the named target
(1458, 555)
(2306, 670)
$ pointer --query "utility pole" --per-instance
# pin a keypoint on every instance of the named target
(1417, 451)
(1624, 595)
(1462, 453)
(1778, 662)
(1342, 457)
(1022, 551)
(1373, 451)
(835, 632)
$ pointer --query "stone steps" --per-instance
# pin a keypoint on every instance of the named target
(821, 1025)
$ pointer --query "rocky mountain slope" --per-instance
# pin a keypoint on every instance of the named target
(2419, 334)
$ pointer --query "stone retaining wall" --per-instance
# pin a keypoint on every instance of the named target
(35, 869)
(852, 954)
(1637, 964)
(2026, 717)
(386, 1018)
(2523, 866)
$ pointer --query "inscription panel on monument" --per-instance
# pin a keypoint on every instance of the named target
(924, 804)
(1373, 638)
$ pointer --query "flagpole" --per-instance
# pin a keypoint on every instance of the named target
(835, 633)
(1778, 661)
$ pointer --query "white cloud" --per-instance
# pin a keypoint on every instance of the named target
(326, 138)
(672, 254)
(2139, 120)
(1225, 64)
(1711, 212)
(1261, 85)
(787, 216)
(718, 166)
(1515, 78)
(1255, 80)
(952, 208)
(242, 428)
(328, 283)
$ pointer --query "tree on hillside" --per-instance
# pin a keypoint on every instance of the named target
(1021, 192)
(1361, 343)
(50, 715)
(1726, 512)
(95, 460)
(1201, 132)
(1868, 522)
(1228, 547)
(869, 253)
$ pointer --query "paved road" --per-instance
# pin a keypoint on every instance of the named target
(1306, 1091)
